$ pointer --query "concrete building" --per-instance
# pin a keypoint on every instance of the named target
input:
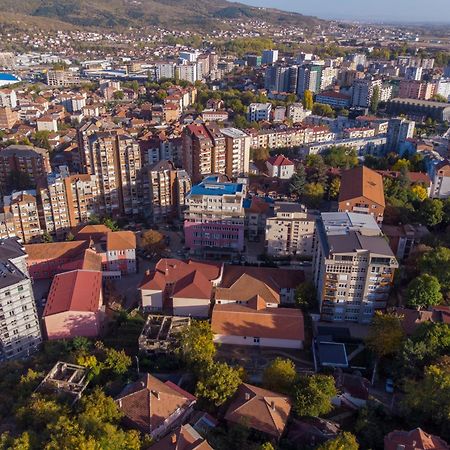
(258, 112)
(291, 231)
(8, 98)
(420, 90)
(297, 113)
(353, 267)
(440, 178)
(8, 118)
(237, 152)
(362, 192)
(62, 78)
(280, 167)
(363, 91)
(309, 79)
(399, 131)
(413, 73)
(420, 109)
(215, 217)
(20, 335)
(334, 99)
(269, 57)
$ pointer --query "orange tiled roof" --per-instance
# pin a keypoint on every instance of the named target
(120, 240)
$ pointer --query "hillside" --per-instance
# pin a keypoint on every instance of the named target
(203, 14)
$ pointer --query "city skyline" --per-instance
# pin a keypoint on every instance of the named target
(363, 10)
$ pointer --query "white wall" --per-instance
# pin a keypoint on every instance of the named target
(263, 342)
(191, 307)
(151, 300)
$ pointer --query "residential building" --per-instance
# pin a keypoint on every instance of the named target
(420, 109)
(353, 267)
(237, 152)
(25, 215)
(362, 192)
(257, 210)
(334, 99)
(291, 231)
(8, 118)
(297, 113)
(31, 162)
(421, 90)
(20, 334)
(185, 288)
(309, 79)
(120, 252)
(269, 56)
(399, 131)
(258, 112)
(82, 197)
(261, 410)
(8, 98)
(215, 217)
(47, 123)
(440, 178)
(183, 438)
(74, 305)
(281, 78)
(413, 440)
(62, 78)
(363, 91)
(280, 167)
(404, 238)
(155, 407)
(413, 73)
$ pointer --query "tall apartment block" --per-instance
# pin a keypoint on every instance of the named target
(237, 152)
(203, 150)
(8, 118)
(353, 267)
(32, 162)
(363, 90)
(290, 231)
(215, 217)
(168, 190)
(23, 206)
(399, 131)
(20, 334)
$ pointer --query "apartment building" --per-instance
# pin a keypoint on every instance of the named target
(363, 91)
(362, 192)
(440, 178)
(215, 217)
(82, 198)
(23, 206)
(62, 78)
(168, 190)
(416, 89)
(203, 151)
(258, 112)
(290, 232)
(297, 113)
(353, 267)
(8, 98)
(8, 118)
(31, 162)
(20, 334)
(399, 131)
(237, 148)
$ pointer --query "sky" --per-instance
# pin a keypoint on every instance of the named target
(366, 10)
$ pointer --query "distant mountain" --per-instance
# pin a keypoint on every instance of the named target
(203, 14)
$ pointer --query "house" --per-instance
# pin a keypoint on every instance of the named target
(280, 167)
(354, 390)
(254, 323)
(260, 410)
(121, 252)
(413, 318)
(155, 407)
(440, 178)
(183, 438)
(362, 192)
(283, 281)
(183, 287)
(311, 431)
(74, 305)
(416, 439)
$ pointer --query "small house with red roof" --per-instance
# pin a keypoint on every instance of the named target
(280, 167)
(74, 305)
(416, 439)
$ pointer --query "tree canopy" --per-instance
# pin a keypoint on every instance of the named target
(424, 291)
(280, 375)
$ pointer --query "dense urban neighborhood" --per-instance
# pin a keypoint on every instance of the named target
(227, 232)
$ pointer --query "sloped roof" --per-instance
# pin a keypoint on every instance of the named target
(120, 240)
(55, 250)
(78, 290)
(362, 182)
(261, 409)
(148, 402)
(193, 285)
(183, 438)
(280, 160)
(416, 439)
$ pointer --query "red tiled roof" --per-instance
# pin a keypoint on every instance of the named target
(415, 439)
(120, 240)
(79, 290)
(280, 160)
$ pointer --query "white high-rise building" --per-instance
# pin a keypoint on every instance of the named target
(237, 152)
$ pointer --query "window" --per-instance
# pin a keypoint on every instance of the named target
(256, 340)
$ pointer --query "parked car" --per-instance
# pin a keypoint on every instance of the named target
(389, 386)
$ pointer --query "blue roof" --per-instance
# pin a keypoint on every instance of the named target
(211, 187)
(8, 77)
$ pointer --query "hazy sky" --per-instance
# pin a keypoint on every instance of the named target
(367, 10)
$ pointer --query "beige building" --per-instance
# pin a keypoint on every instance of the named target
(237, 148)
(62, 78)
(290, 231)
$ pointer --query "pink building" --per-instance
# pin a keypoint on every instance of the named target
(74, 305)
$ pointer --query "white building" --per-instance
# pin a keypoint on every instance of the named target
(237, 151)
(280, 167)
(8, 98)
(363, 91)
(399, 131)
(259, 112)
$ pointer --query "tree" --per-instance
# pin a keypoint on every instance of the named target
(420, 192)
(308, 100)
(117, 361)
(298, 181)
(335, 187)
(312, 395)
(153, 243)
(306, 296)
(260, 154)
(437, 262)
(218, 382)
(341, 156)
(345, 441)
(313, 194)
(118, 95)
(267, 446)
(386, 334)
(47, 238)
(40, 139)
(372, 424)
(320, 109)
(424, 291)
(431, 212)
(197, 344)
(375, 100)
(110, 223)
(280, 375)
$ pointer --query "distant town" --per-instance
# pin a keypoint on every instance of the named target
(236, 239)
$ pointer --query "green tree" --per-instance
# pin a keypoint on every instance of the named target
(40, 139)
(259, 154)
(424, 291)
(117, 361)
(47, 237)
(431, 212)
(334, 188)
(118, 95)
(280, 375)
(386, 334)
(341, 156)
(218, 382)
(110, 223)
(306, 296)
(345, 441)
(372, 424)
(308, 101)
(298, 181)
(437, 262)
(375, 100)
(197, 344)
(267, 446)
(312, 395)
(320, 109)
(313, 194)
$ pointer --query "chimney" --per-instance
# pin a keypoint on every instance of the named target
(173, 438)
(147, 272)
(272, 405)
(247, 396)
(156, 394)
(120, 403)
